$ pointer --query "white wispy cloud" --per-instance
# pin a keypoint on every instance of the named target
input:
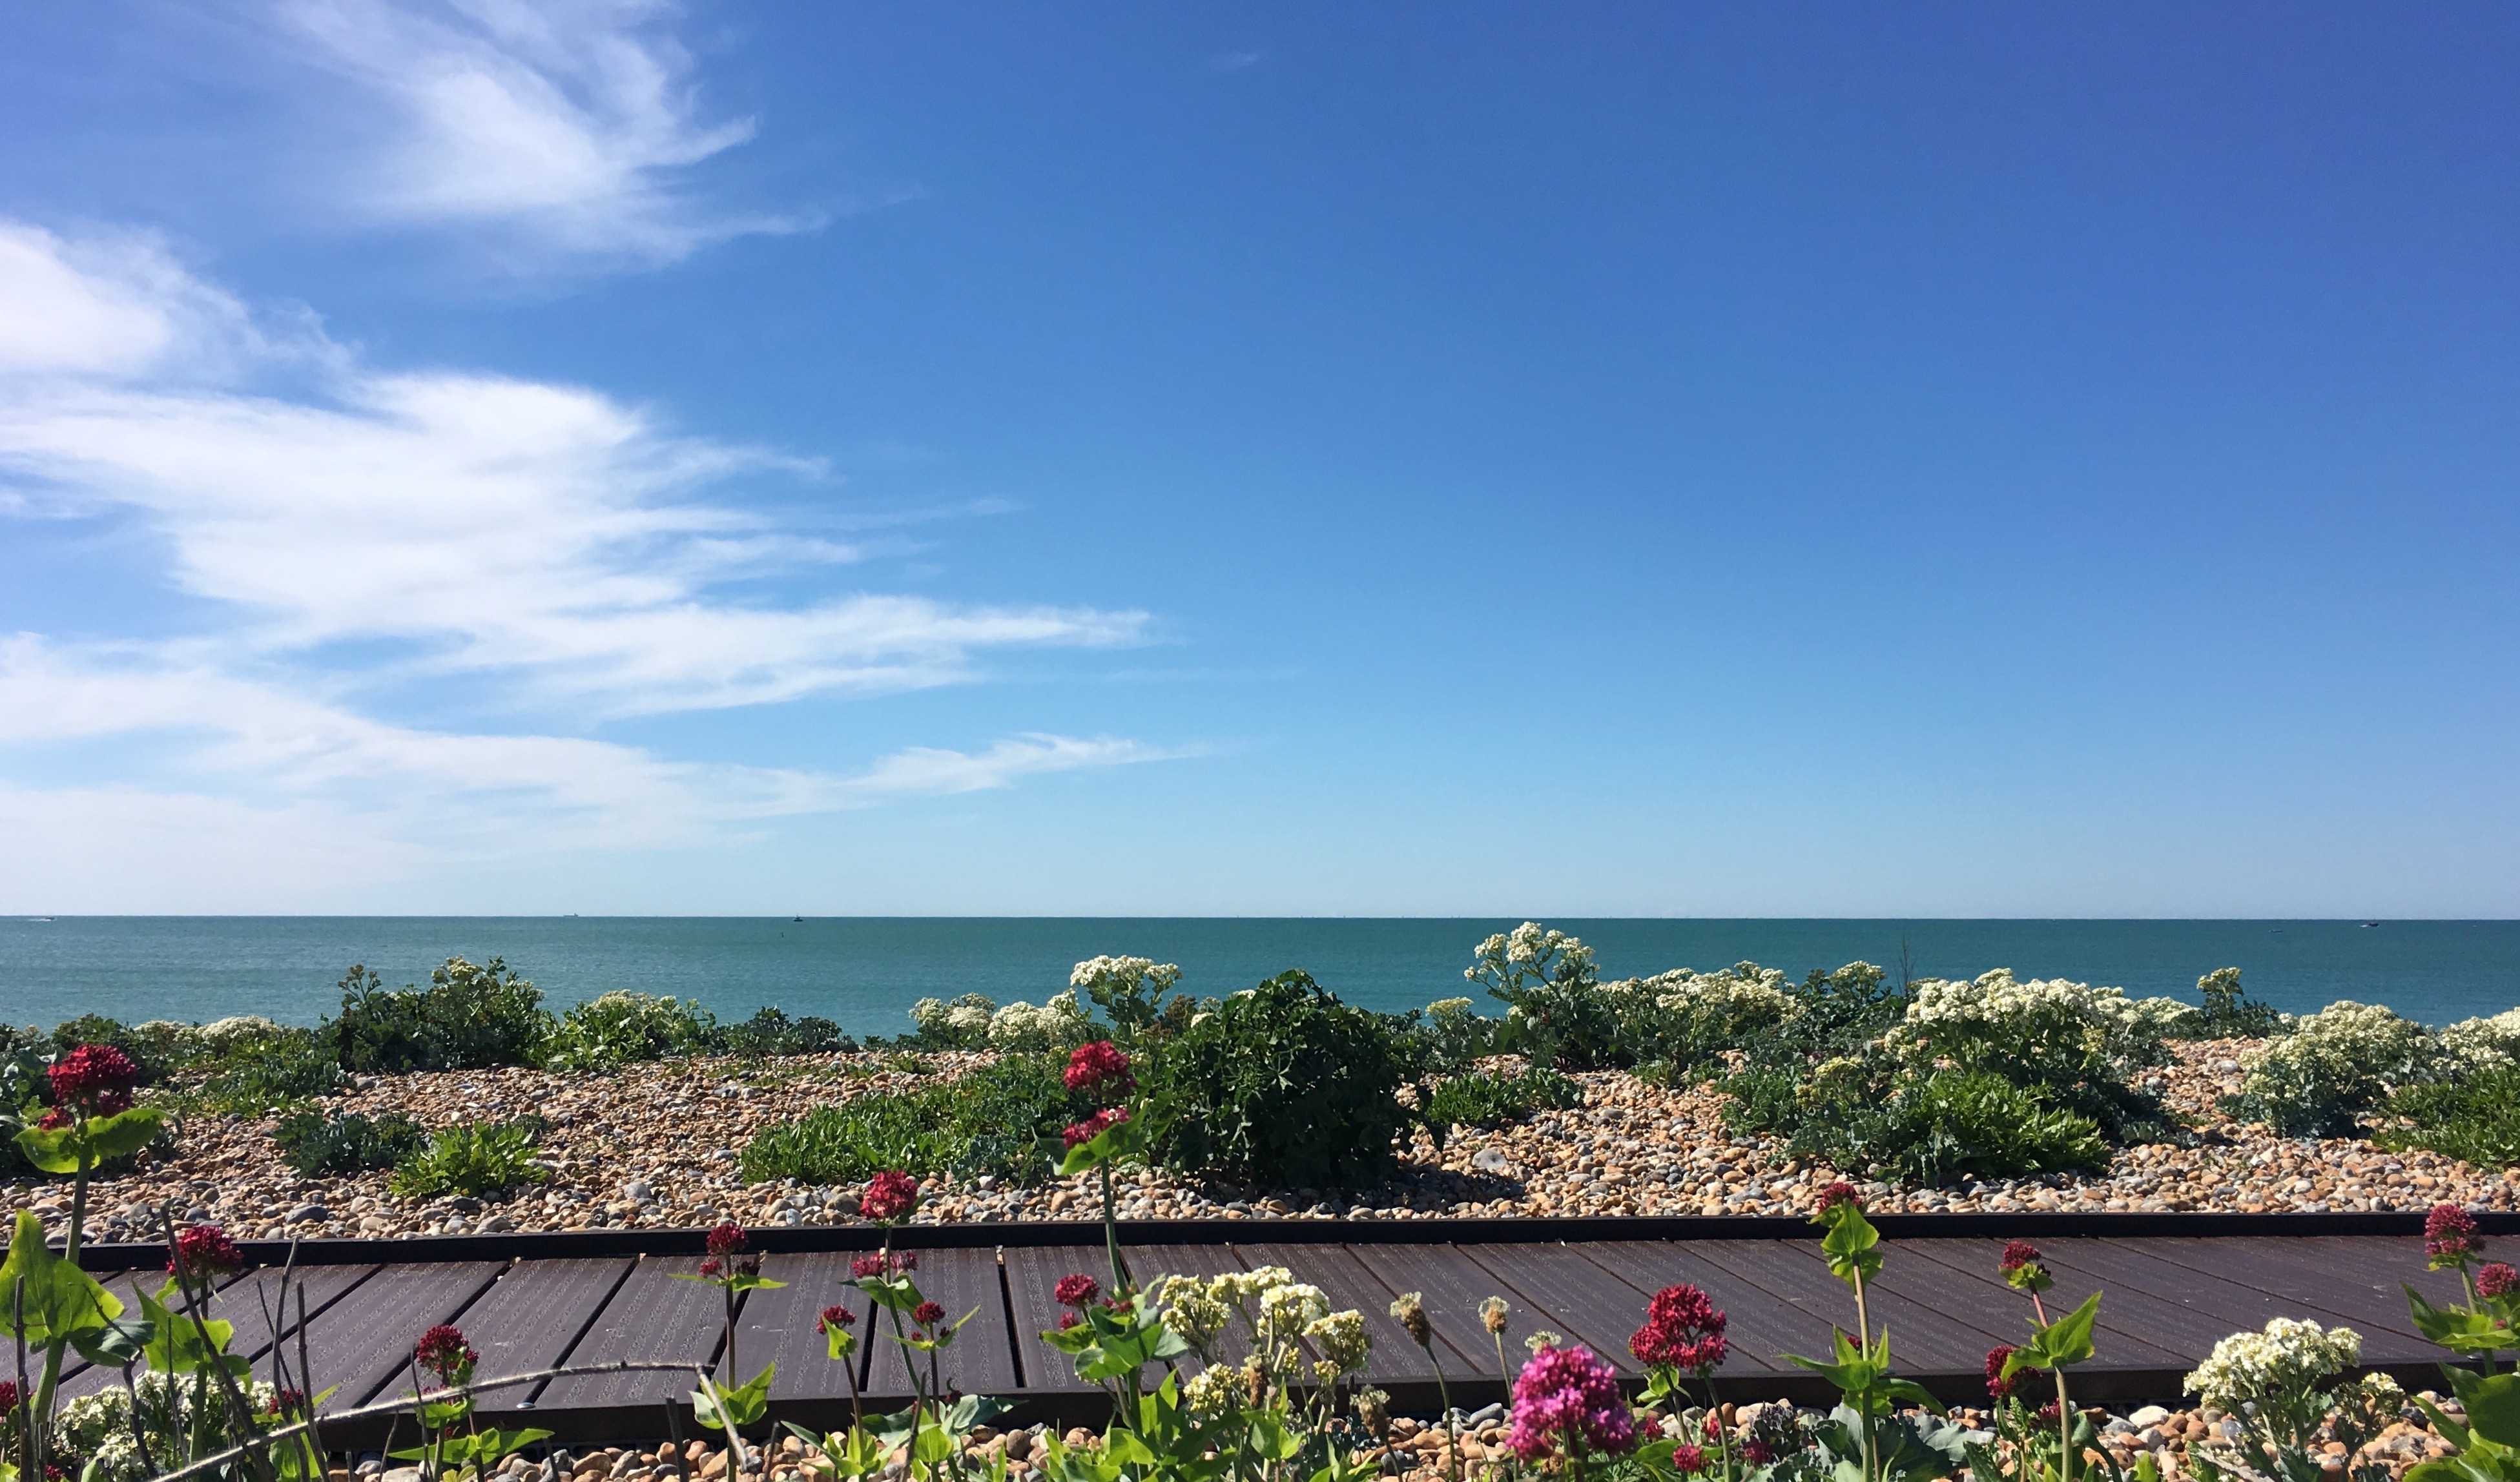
(570, 123)
(562, 547)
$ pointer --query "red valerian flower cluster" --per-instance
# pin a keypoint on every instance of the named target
(928, 1315)
(2451, 1237)
(1834, 1195)
(2022, 1269)
(1100, 1070)
(836, 1317)
(2497, 1280)
(1757, 1452)
(1682, 1329)
(1077, 1289)
(2018, 1254)
(889, 1195)
(205, 1250)
(1569, 1397)
(286, 1402)
(1095, 1126)
(1996, 1385)
(94, 1080)
(878, 1263)
(1688, 1460)
(10, 1398)
(726, 1238)
(443, 1351)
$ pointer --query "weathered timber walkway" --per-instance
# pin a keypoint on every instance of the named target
(2174, 1285)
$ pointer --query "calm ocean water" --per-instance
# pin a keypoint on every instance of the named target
(865, 971)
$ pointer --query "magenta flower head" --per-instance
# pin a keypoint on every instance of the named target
(726, 1238)
(836, 1317)
(1567, 1400)
(2451, 1237)
(2495, 1280)
(10, 1399)
(94, 1080)
(1095, 1126)
(1832, 1197)
(2022, 1269)
(1077, 1289)
(203, 1252)
(889, 1195)
(1100, 1070)
(443, 1351)
(928, 1315)
(1757, 1452)
(1998, 1386)
(878, 1263)
(1688, 1460)
(1683, 1330)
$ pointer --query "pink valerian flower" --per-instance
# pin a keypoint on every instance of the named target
(878, 1263)
(712, 1268)
(836, 1317)
(55, 1118)
(1068, 1319)
(205, 1250)
(94, 1080)
(928, 1315)
(1683, 1330)
(726, 1238)
(1757, 1452)
(1834, 1195)
(2451, 1237)
(1998, 1386)
(443, 1351)
(1100, 1070)
(1688, 1460)
(889, 1195)
(1567, 1399)
(10, 1398)
(2495, 1280)
(1077, 1289)
(286, 1402)
(1095, 1126)
(2018, 1254)
(2022, 1268)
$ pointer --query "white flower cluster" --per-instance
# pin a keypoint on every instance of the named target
(1280, 1312)
(97, 1427)
(2278, 1365)
(2338, 1062)
(1215, 1390)
(1530, 951)
(1055, 1025)
(2483, 1044)
(1745, 993)
(236, 1028)
(967, 1018)
(2049, 1027)
(1124, 975)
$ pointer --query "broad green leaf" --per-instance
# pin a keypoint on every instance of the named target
(124, 1133)
(54, 1150)
(1121, 1139)
(2068, 1339)
(60, 1300)
(2493, 1409)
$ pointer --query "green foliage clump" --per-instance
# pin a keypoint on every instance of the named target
(468, 1017)
(482, 1159)
(1452, 1037)
(616, 1029)
(1282, 1085)
(251, 1073)
(1559, 1012)
(2230, 1013)
(1491, 1099)
(315, 1143)
(1003, 1119)
(2476, 1119)
(771, 1032)
(2335, 1066)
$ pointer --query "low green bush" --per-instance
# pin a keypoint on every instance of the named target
(616, 1029)
(2334, 1067)
(1490, 1098)
(2230, 1013)
(482, 1159)
(1003, 1119)
(1283, 1086)
(2476, 1119)
(316, 1144)
(269, 1071)
(468, 1017)
(771, 1032)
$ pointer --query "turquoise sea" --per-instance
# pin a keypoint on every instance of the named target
(865, 971)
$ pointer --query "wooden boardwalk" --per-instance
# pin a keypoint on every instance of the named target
(2173, 1285)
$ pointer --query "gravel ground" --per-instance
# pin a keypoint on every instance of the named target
(656, 1147)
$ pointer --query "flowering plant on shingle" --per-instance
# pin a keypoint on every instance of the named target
(1055, 1025)
(2275, 1381)
(1568, 1408)
(1099, 1071)
(2333, 1067)
(2045, 1032)
(1129, 990)
(889, 1197)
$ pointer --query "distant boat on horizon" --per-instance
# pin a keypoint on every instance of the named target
(2367, 925)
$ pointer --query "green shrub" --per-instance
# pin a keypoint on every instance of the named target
(1453, 1037)
(316, 1144)
(2476, 1119)
(1003, 1119)
(158, 1048)
(482, 1159)
(2334, 1066)
(616, 1029)
(771, 1032)
(2230, 1013)
(1487, 1099)
(254, 1074)
(2076, 1047)
(1559, 1013)
(1921, 1129)
(1282, 1085)
(469, 1016)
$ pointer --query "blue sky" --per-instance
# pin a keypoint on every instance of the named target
(1654, 460)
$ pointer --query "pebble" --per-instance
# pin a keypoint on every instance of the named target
(653, 1147)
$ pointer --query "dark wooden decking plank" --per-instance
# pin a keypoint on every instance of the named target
(531, 1317)
(2134, 1330)
(1760, 1326)
(653, 1316)
(2356, 1279)
(1452, 1285)
(1924, 1339)
(127, 1285)
(241, 1302)
(363, 1342)
(1565, 1292)
(977, 1360)
(1346, 1282)
(782, 1326)
(1032, 1273)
